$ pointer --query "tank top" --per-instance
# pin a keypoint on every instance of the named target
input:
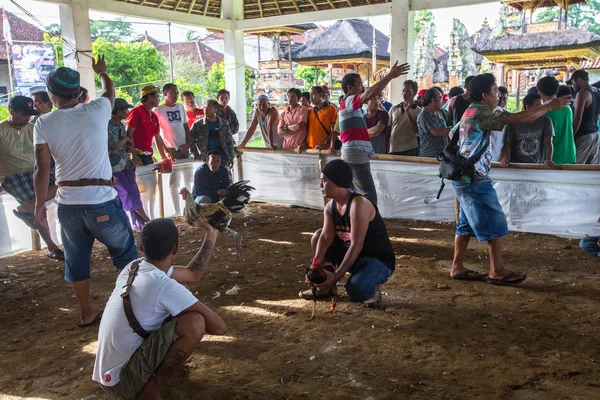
(263, 124)
(589, 119)
(377, 242)
(460, 106)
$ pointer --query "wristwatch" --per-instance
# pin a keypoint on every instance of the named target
(285, 127)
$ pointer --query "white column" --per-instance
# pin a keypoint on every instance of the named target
(235, 80)
(75, 29)
(401, 43)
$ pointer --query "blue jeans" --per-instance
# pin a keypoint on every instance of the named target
(590, 245)
(365, 275)
(82, 224)
(362, 180)
(480, 212)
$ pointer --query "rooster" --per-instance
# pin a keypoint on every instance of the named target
(218, 215)
(316, 275)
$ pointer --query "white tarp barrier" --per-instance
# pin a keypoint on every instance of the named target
(564, 203)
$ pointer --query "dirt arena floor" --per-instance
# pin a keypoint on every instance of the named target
(435, 339)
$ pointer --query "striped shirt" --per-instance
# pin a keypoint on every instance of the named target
(356, 144)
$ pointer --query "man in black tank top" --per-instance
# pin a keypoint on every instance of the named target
(459, 104)
(354, 238)
(585, 117)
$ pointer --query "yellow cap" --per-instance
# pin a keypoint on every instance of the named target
(150, 89)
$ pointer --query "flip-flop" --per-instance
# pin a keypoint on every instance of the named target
(469, 275)
(57, 254)
(95, 321)
(26, 217)
(505, 280)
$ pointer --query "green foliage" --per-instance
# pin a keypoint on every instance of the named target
(582, 16)
(423, 18)
(57, 48)
(308, 74)
(113, 31)
(131, 64)
(119, 92)
(511, 104)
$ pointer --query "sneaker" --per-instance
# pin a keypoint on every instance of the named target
(375, 301)
(308, 295)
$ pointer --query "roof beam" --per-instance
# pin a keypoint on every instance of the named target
(315, 16)
(296, 5)
(314, 5)
(277, 4)
(192, 4)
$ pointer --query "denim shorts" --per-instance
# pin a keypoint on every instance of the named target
(480, 212)
(80, 225)
(365, 275)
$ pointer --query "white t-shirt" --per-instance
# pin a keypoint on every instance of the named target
(77, 140)
(154, 296)
(171, 121)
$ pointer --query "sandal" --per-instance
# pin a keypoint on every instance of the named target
(57, 254)
(95, 321)
(26, 217)
(469, 275)
(505, 280)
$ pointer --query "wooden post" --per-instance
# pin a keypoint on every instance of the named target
(10, 74)
(240, 168)
(35, 240)
(161, 199)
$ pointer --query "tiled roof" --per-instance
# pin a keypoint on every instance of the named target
(196, 50)
(590, 64)
(20, 30)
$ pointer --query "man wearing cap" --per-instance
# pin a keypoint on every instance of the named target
(267, 120)
(585, 117)
(123, 168)
(16, 166)
(353, 238)
(211, 180)
(88, 206)
(142, 127)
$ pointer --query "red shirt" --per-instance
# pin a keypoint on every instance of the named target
(197, 114)
(146, 127)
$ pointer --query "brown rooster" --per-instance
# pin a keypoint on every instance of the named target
(316, 275)
(218, 214)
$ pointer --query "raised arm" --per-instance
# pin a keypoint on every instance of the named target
(533, 114)
(108, 87)
(196, 267)
(395, 72)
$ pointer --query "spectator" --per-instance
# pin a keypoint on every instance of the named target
(227, 112)
(293, 122)
(377, 125)
(387, 106)
(211, 180)
(321, 121)
(420, 96)
(327, 94)
(305, 99)
(41, 102)
(562, 121)
(480, 212)
(84, 96)
(267, 119)
(458, 105)
(524, 143)
(88, 206)
(16, 167)
(585, 118)
(403, 123)
(564, 90)
(142, 127)
(432, 127)
(356, 145)
(212, 133)
(123, 169)
(502, 97)
(189, 102)
(533, 90)
(173, 123)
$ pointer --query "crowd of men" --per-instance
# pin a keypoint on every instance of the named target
(84, 155)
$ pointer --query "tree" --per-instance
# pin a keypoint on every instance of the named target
(308, 74)
(423, 18)
(582, 16)
(113, 31)
(131, 64)
(57, 49)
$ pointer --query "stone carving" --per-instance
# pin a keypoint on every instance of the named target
(461, 62)
(424, 54)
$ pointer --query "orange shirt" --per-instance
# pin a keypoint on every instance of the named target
(316, 133)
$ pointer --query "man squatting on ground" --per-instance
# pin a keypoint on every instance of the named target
(353, 238)
(172, 322)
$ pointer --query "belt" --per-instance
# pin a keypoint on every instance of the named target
(88, 182)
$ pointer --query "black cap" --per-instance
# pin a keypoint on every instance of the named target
(579, 74)
(122, 104)
(339, 172)
(22, 104)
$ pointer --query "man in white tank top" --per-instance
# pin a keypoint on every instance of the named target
(267, 119)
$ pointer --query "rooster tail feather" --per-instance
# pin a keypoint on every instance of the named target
(237, 196)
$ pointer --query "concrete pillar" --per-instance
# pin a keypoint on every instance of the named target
(401, 43)
(235, 79)
(75, 29)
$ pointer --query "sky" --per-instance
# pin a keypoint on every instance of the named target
(471, 16)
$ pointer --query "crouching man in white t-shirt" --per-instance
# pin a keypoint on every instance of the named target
(130, 365)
